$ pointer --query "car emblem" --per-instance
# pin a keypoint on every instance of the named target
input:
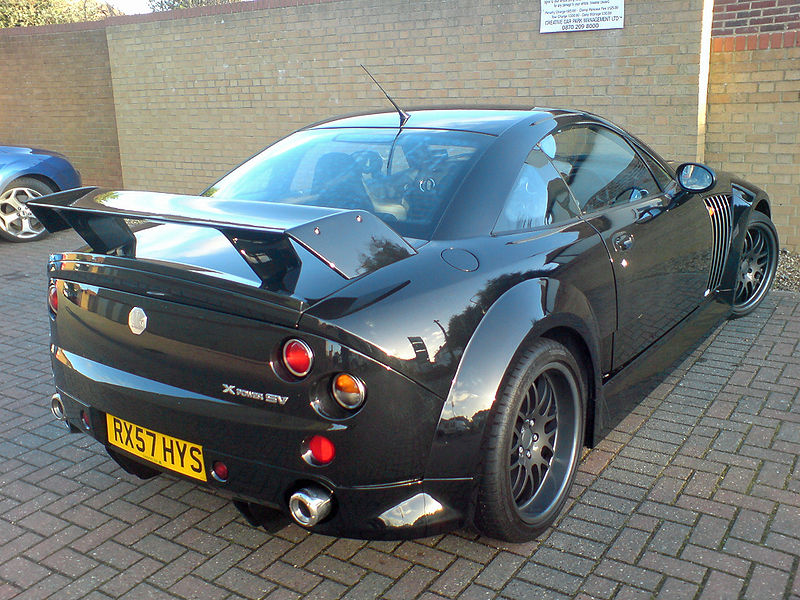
(137, 320)
(229, 388)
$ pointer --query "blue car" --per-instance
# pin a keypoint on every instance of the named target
(27, 173)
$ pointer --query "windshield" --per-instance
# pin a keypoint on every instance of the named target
(406, 178)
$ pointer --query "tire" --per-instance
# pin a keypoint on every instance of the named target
(532, 445)
(758, 263)
(17, 223)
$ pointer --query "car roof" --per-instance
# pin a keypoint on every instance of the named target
(491, 121)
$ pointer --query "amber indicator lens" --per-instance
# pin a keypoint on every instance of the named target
(52, 297)
(321, 449)
(297, 358)
(349, 391)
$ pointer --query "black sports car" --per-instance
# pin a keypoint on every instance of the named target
(388, 329)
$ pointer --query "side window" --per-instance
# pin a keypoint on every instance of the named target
(538, 197)
(663, 178)
(601, 168)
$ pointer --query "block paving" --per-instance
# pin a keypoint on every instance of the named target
(696, 494)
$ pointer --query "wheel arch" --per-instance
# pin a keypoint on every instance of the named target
(552, 310)
(763, 207)
(38, 177)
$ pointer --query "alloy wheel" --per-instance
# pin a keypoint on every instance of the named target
(756, 267)
(16, 219)
(545, 440)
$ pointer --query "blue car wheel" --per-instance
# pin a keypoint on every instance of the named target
(17, 223)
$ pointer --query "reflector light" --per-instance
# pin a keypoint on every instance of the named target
(52, 297)
(85, 420)
(297, 358)
(348, 390)
(219, 470)
(322, 449)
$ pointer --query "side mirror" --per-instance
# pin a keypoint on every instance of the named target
(696, 178)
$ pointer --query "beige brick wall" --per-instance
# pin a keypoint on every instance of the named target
(194, 96)
(754, 126)
(55, 93)
(195, 92)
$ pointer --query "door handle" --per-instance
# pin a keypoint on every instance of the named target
(643, 215)
(623, 241)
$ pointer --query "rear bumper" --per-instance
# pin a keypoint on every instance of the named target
(412, 507)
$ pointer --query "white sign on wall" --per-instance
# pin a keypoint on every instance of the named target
(581, 15)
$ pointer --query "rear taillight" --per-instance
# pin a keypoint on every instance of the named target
(320, 451)
(52, 298)
(219, 470)
(348, 390)
(297, 357)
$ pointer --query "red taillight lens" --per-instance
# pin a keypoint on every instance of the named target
(297, 358)
(322, 450)
(220, 471)
(52, 297)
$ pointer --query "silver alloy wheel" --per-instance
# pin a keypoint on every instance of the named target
(16, 219)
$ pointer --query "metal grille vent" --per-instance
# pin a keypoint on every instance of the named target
(721, 213)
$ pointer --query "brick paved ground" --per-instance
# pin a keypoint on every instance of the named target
(696, 494)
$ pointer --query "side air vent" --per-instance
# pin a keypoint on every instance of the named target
(721, 213)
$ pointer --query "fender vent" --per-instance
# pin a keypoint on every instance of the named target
(721, 214)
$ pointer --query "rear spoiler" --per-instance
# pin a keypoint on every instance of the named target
(351, 242)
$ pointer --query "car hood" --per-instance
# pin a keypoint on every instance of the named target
(23, 150)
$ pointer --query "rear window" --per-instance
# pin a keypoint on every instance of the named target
(406, 178)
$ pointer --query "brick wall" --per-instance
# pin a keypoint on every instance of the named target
(55, 93)
(747, 17)
(197, 91)
(753, 119)
(195, 96)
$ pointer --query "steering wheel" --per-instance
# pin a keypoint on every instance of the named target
(632, 194)
(369, 162)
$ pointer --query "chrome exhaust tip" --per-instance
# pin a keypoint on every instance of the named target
(310, 505)
(57, 408)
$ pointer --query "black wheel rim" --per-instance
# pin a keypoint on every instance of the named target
(756, 267)
(545, 442)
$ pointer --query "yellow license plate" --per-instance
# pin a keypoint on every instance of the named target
(171, 453)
